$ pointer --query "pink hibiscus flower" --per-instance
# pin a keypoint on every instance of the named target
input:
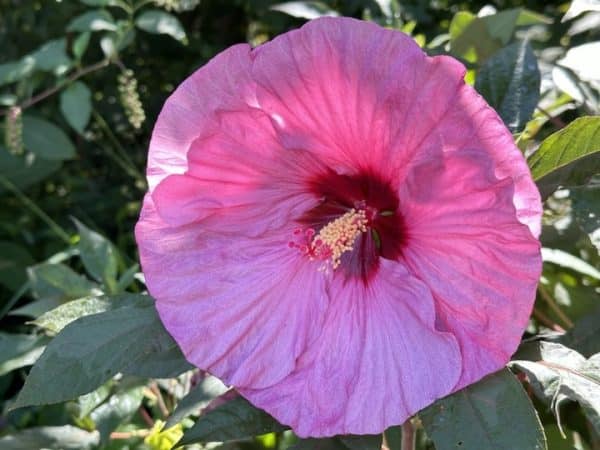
(339, 227)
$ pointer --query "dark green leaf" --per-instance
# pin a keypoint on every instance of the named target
(477, 38)
(160, 22)
(99, 256)
(60, 282)
(52, 57)
(80, 44)
(510, 82)
(585, 203)
(493, 414)
(19, 350)
(96, 20)
(233, 420)
(14, 259)
(364, 442)
(76, 105)
(584, 337)
(92, 349)
(46, 140)
(23, 171)
(13, 71)
(561, 374)
(568, 157)
(199, 397)
(319, 444)
(53, 438)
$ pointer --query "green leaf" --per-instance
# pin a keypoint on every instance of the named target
(95, 20)
(88, 402)
(65, 437)
(584, 337)
(99, 256)
(46, 140)
(160, 22)
(494, 413)
(52, 57)
(76, 105)
(198, 398)
(19, 350)
(510, 82)
(364, 442)
(119, 408)
(89, 351)
(578, 7)
(568, 157)
(58, 318)
(98, 2)
(562, 374)
(14, 259)
(235, 419)
(59, 282)
(348, 442)
(320, 444)
(80, 44)
(564, 259)
(13, 71)
(25, 171)
(305, 10)
(584, 202)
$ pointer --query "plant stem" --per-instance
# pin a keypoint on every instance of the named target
(554, 306)
(129, 434)
(556, 121)
(55, 227)
(54, 89)
(545, 320)
(408, 436)
(120, 157)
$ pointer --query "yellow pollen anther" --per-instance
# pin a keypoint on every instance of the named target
(339, 235)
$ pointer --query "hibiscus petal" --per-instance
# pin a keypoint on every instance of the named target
(471, 124)
(223, 83)
(466, 243)
(243, 309)
(353, 92)
(377, 361)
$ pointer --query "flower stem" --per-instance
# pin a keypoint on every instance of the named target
(408, 436)
(55, 227)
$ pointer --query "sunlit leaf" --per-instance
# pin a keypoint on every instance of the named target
(563, 374)
(199, 397)
(96, 20)
(64, 437)
(160, 22)
(568, 157)
(304, 10)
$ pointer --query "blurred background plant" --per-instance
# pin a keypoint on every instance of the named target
(81, 84)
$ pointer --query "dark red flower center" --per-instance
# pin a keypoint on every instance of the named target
(356, 221)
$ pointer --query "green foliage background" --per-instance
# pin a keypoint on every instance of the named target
(81, 85)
